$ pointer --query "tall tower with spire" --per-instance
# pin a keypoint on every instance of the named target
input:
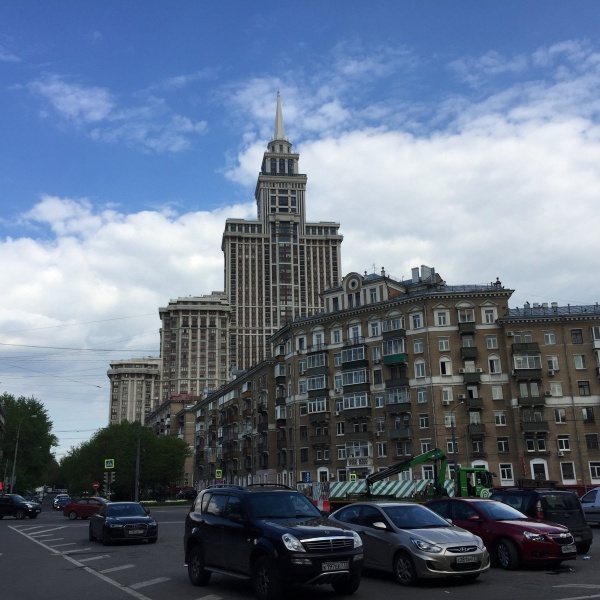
(277, 266)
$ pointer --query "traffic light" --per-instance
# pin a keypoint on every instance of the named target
(106, 479)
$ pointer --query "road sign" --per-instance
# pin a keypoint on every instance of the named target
(109, 463)
(218, 473)
(96, 485)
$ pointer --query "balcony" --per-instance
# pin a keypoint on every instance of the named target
(320, 440)
(397, 408)
(535, 426)
(402, 433)
(393, 334)
(468, 352)
(532, 401)
(280, 379)
(467, 327)
(471, 376)
(262, 427)
(396, 382)
(262, 407)
(523, 347)
(395, 359)
(354, 341)
(476, 429)
(521, 374)
(474, 403)
(357, 413)
(360, 435)
(319, 417)
(280, 401)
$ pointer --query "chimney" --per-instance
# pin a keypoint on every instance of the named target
(415, 274)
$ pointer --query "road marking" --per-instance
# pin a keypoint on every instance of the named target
(94, 557)
(136, 586)
(116, 568)
(211, 597)
(592, 586)
(76, 550)
(580, 597)
(61, 545)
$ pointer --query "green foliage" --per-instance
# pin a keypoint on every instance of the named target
(162, 460)
(27, 420)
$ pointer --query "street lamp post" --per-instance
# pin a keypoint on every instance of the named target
(12, 479)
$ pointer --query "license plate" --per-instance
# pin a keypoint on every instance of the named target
(136, 532)
(335, 566)
(568, 549)
(466, 559)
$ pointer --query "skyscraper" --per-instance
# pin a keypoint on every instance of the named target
(276, 267)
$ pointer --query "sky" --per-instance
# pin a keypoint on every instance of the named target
(462, 135)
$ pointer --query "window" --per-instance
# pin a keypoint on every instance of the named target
(497, 392)
(560, 415)
(552, 362)
(502, 444)
(562, 441)
(339, 428)
(587, 412)
(489, 315)
(373, 295)
(379, 401)
(423, 421)
(316, 383)
(491, 342)
(576, 336)
(381, 449)
(447, 394)
(444, 344)
(337, 336)
(452, 446)
(420, 368)
(595, 471)
(549, 338)
(316, 405)
(418, 346)
(556, 389)
(442, 318)
(584, 388)
(393, 346)
(506, 472)
(421, 395)
(374, 328)
(500, 418)
(341, 452)
(591, 441)
(337, 359)
(416, 321)
(466, 315)
(494, 364)
(302, 386)
(375, 352)
(445, 366)
(303, 454)
(303, 409)
(579, 360)
(468, 341)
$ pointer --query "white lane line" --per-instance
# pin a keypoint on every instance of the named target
(76, 550)
(580, 597)
(137, 586)
(94, 557)
(116, 568)
(210, 597)
(61, 545)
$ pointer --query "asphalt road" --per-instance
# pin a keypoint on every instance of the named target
(51, 558)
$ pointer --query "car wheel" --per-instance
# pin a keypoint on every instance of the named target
(91, 536)
(196, 572)
(508, 557)
(265, 581)
(347, 586)
(583, 548)
(20, 514)
(404, 569)
(105, 538)
(73, 515)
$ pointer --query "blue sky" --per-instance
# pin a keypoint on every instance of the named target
(132, 130)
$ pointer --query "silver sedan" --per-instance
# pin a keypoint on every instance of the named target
(412, 542)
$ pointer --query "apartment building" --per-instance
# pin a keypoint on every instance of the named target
(277, 266)
(392, 369)
(134, 389)
(194, 336)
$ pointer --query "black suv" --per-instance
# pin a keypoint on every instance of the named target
(13, 505)
(272, 535)
(556, 506)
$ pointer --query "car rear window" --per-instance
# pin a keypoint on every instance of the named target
(560, 501)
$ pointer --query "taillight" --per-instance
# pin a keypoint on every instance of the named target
(538, 510)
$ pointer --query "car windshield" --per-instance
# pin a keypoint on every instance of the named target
(414, 517)
(497, 511)
(18, 498)
(126, 510)
(281, 505)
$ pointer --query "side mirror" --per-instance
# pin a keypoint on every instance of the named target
(147, 511)
(380, 525)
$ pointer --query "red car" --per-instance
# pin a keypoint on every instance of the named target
(510, 536)
(83, 508)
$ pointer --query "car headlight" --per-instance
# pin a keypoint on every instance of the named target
(479, 542)
(292, 543)
(426, 546)
(536, 537)
(357, 541)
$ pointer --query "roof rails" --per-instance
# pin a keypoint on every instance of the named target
(529, 484)
(224, 485)
(265, 485)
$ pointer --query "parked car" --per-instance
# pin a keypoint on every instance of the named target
(122, 521)
(511, 537)
(590, 503)
(412, 542)
(13, 505)
(272, 535)
(556, 506)
(60, 501)
(187, 494)
(83, 508)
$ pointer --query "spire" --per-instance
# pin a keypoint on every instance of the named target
(279, 130)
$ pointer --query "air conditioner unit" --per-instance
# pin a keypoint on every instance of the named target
(378, 433)
(510, 334)
(302, 372)
(561, 453)
(478, 370)
(551, 372)
(547, 393)
(338, 390)
(336, 413)
(376, 361)
(445, 402)
(462, 396)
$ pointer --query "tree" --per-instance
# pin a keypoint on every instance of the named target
(162, 460)
(27, 419)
